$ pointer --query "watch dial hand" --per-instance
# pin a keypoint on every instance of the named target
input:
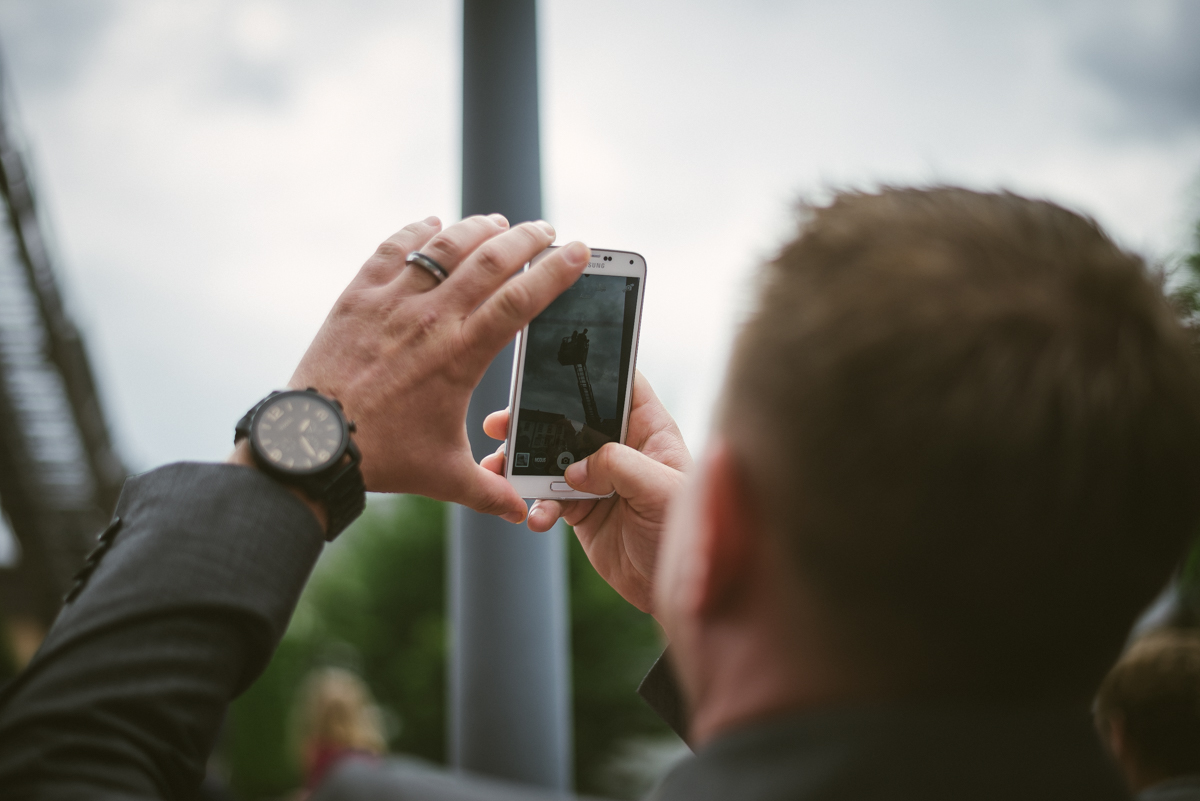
(307, 447)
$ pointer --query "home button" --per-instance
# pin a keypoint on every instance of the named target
(560, 486)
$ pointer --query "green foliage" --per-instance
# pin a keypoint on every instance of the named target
(376, 605)
(1186, 296)
(1186, 299)
(257, 744)
(612, 647)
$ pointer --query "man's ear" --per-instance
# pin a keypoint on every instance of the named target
(730, 532)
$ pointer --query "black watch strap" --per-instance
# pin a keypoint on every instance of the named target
(343, 493)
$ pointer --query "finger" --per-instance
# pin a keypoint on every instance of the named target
(520, 300)
(495, 261)
(620, 469)
(495, 425)
(576, 512)
(491, 494)
(388, 259)
(450, 248)
(494, 461)
(544, 514)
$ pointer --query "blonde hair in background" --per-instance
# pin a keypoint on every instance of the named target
(337, 710)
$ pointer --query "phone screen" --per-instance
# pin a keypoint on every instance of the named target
(577, 362)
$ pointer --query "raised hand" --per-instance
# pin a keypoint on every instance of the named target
(619, 534)
(403, 352)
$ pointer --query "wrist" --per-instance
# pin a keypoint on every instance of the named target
(243, 456)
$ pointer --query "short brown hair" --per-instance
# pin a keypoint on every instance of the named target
(977, 422)
(1153, 692)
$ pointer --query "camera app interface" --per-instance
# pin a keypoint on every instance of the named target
(576, 359)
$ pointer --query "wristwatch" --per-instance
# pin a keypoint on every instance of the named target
(302, 439)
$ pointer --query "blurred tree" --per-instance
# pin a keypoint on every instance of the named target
(1186, 294)
(1186, 299)
(8, 661)
(612, 647)
(376, 605)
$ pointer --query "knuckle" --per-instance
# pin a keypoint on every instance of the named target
(490, 503)
(426, 321)
(492, 259)
(390, 249)
(515, 301)
(533, 233)
(349, 304)
(604, 458)
(440, 249)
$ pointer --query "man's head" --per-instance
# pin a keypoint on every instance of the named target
(971, 425)
(1148, 708)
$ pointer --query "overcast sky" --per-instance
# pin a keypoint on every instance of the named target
(216, 172)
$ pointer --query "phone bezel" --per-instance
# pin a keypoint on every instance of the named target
(537, 487)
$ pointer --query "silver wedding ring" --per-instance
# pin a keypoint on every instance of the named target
(429, 265)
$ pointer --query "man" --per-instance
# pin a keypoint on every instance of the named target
(958, 450)
(956, 454)
(1148, 713)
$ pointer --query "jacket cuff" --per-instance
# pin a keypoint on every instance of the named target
(660, 689)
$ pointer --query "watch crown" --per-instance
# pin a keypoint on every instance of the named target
(353, 426)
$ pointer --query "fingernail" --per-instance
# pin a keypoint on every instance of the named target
(514, 517)
(576, 474)
(545, 226)
(434, 221)
(499, 219)
(577, 254)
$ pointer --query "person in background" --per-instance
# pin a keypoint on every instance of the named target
(338, 720)
(1148, 714)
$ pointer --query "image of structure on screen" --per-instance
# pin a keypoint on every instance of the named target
(577, 359)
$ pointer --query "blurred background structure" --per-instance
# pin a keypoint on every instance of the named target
(217, 172)
(59, 473)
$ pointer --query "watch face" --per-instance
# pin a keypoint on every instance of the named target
(299, 432)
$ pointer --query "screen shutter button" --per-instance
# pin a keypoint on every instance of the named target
(560, 486)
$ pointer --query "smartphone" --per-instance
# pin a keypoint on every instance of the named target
(573, 375)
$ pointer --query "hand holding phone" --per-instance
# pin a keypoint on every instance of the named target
(620, 533)
(573, 373)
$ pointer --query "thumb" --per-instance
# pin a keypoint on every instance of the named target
(621, 469)
(493, 495)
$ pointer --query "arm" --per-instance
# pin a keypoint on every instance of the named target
(179, 615)
(188, 597)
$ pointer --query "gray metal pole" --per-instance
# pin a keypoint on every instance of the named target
(510, 674)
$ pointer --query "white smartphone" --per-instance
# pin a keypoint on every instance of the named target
(573, 375)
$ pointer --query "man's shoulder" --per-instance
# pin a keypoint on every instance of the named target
(898, 754)
(1180, 788)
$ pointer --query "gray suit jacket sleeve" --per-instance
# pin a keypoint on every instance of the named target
(180, 612)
